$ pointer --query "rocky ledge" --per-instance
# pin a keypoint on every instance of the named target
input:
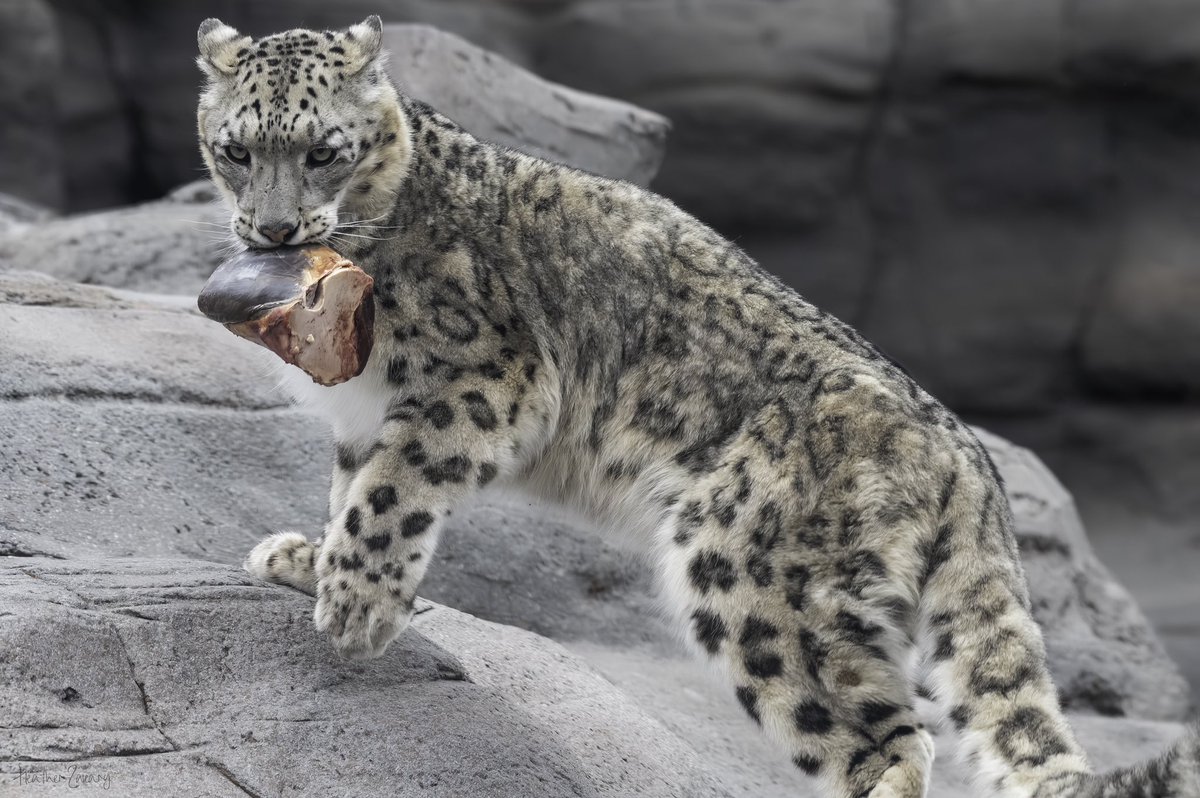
(190, 678)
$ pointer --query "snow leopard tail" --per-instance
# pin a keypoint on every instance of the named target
(985, 664)
(1175, 774)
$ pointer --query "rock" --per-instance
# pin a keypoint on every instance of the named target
(1020, 41)
(137, 427)
(512, 561)
(1132, 468)
(1103, 653)
(17, 214)
(37, 289)
(30, 56)
(769, 115)
(957, 179)
(167, 246)
(499, 101)
(196, 192)
(134, 352)
(192, 678)
(976, 287)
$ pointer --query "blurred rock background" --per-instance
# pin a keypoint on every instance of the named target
(1002, 194)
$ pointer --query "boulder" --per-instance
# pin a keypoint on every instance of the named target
(770, 113)
(499, 101)
(127, 419)
(169, 246)
(17, 213)
(1103, 653)
(1132, 468)
(992, 229)
(193, 678)
(175, 676)
(957, 179)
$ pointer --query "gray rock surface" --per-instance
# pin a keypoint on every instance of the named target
(1142, 336)
(499, 101)
(514, 561)
(17, 213)
(771, 102)
(149, 677)
(128, 418)
(186, 678)
(99, 130)
(995, 192)
(1133, 468)
(169, 246)
(1104, 655)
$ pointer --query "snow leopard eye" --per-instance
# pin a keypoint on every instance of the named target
(320, 156)
(237, 153)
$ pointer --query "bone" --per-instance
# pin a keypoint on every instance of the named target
(309, 305)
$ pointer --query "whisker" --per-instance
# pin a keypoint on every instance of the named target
(360, 235)
(372, 219)
(373, 226)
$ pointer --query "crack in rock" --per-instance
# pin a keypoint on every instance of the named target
(232, 779)
(142, 689)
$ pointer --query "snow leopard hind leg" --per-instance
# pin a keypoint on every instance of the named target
(799, 582)
(986, 663)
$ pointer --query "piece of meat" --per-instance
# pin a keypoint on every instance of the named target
(308, 304)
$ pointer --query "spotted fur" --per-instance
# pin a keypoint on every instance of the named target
(816, 517)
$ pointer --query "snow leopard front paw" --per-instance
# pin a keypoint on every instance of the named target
(361, 617)
(286, 558)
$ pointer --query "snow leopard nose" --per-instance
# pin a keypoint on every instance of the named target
(277, 231)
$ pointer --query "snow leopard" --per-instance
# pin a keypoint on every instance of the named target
(823, 529)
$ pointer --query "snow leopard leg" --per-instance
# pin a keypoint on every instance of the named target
(985, 661)
(286, 558)
(818, 662)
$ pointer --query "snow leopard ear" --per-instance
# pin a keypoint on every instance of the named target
(219, 46)
(363, 42)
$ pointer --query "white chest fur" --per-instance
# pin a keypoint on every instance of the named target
(354, 409)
